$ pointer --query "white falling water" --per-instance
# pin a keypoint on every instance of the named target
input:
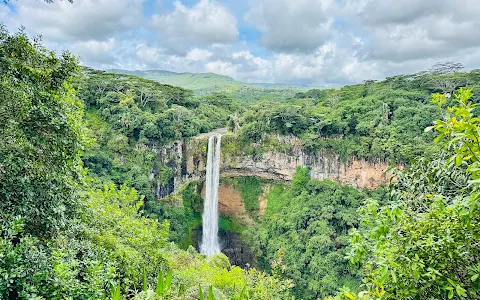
(210, 243)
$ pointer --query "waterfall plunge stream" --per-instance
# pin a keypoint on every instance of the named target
(210, 243)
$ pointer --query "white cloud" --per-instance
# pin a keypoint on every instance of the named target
(222, 67)
(301, 25)
(303, 41)
(148, 56)
(198, 54)
(6, 18)
(151, 58)
(414, 30)
(380, 12)
(243, 65)
(80, 20)
(4, 12)
(94, 52)
(327, 65)
(206, 22)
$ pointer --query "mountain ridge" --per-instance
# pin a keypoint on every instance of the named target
(151, 74)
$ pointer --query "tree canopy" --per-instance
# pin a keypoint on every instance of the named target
(42, 129)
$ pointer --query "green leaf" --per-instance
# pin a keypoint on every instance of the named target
(160, 290)
(461, 291)
(439, 137)
(429, 128)
(210, 293)
(115, 292)
(458, 160)
(243, 294)
(145, 283)
(394, 276)
(168, 280)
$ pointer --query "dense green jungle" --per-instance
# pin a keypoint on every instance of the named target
(91, 208)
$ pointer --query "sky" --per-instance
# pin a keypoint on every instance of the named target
(314, 42)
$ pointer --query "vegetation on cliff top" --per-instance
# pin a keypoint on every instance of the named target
(374, 120)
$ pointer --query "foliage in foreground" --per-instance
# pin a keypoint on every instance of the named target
(425, 243)
(41, 130)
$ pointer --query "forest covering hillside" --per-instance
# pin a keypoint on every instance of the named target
(205, 83)
(80, 217)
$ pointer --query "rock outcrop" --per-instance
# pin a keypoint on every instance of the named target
(281, 166)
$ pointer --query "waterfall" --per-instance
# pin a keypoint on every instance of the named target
(210, 243)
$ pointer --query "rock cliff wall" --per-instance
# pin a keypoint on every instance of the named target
(230, 203)
(187, 160)
(282, 166)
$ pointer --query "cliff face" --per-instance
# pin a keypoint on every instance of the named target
(230, 203)
(187, 160)
(282, 166)
(172, 157)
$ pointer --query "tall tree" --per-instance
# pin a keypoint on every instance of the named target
(443, 77)
(447, 67)
(40, 125)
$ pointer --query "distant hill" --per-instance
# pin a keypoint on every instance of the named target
(198, 82)
(204, 83)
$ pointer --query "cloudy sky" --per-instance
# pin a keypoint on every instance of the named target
(317, 42)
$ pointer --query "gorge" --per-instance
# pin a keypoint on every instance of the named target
(197, 161)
